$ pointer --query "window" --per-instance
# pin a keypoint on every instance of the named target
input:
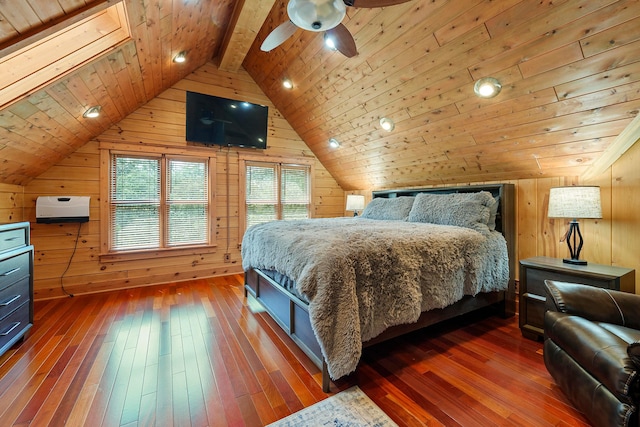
(276, 191)
(159, 202)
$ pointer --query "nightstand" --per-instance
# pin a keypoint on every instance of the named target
(534, 271)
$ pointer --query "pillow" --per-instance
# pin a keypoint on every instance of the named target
(396, 208)
(634, 352)
(470, 210)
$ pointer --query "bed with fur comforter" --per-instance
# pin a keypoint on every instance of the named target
(361, 276)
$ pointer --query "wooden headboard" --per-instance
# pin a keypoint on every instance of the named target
(505, 219)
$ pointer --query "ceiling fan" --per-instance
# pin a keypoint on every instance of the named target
(321, 15)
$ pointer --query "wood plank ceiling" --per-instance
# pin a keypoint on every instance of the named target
(570, 71)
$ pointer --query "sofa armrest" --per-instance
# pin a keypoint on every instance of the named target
(593, 303)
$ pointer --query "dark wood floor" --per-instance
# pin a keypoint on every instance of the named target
(196, 353)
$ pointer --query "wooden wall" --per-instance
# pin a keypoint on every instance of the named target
(11, 203)
(159, 122)
(611, 240)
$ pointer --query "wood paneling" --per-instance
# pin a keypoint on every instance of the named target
(11, 203)
(569, 71)
(47, 126)
(199, 353)
(158, 125)
(563, 65)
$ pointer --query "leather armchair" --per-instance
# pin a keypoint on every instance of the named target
(592, 350)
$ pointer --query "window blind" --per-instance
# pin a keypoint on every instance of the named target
(144, 215)
(261, 194)
(276, 191)
(135, 202)
(187, 202)
(295, 192)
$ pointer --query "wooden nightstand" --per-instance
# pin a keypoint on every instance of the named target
(534, 271)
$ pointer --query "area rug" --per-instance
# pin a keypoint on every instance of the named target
(349, 408)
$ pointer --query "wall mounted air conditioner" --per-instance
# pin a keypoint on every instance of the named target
(50, 209)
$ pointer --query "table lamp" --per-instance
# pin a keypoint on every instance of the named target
(576, 202)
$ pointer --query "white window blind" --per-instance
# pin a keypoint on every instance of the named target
(135, 202)
(276, 191)
(187, 202)
(262, 194)
(295, 192)
(158, 202)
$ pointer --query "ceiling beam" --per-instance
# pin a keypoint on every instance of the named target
(247, 19)
(627, 138)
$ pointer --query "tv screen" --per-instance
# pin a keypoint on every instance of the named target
(227, 122)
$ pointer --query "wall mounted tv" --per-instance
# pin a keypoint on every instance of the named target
(227, 122)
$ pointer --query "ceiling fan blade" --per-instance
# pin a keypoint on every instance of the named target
(343, 40)
(281, 33)
(373, 3)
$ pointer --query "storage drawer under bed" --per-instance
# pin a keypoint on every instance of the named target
(287, 310)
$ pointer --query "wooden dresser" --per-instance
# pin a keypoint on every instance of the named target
(534, 271)
(16, 283)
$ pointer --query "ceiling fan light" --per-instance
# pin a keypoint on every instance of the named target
(316, 15)
(333, 143)
(387, 124)
(329, 42)
(487, 87)
(92, 112)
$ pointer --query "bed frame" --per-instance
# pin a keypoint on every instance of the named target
(291, 313)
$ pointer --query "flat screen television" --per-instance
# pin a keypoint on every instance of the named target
(227, 122)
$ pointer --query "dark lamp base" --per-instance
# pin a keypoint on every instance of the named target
(575, 261)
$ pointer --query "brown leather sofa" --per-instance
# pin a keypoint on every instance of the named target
(592, 350)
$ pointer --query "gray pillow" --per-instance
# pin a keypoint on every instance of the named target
(396, 208)
(470, 210)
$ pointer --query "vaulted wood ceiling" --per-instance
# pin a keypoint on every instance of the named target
(570, 71)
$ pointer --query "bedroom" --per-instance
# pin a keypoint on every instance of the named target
(49, 149)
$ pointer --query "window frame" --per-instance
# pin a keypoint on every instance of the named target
(106, 151)
(286, 161)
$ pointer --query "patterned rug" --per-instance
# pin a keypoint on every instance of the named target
(349, 408)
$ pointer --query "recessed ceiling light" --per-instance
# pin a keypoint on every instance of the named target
(333, 143)
(180, 57)
(387, 124)
(92, 112)
(487, 87)
(287, 84)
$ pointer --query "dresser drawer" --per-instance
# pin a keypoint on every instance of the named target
(14, 296)
(14, 268)
(14, 326)
(11, 239)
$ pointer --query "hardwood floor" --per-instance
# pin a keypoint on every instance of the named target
(195, 353)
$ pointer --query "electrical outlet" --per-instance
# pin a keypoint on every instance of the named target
(227, 257)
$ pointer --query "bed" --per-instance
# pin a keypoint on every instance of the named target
(415, 257)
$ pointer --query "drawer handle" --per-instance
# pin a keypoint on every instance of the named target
(11, 239)
(10, 301)
(7, 273)
(11, 328)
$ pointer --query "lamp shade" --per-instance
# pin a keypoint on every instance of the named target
(355, 202)
(575, 202)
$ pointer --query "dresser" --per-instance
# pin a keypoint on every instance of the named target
(16, 283)
(534, 271)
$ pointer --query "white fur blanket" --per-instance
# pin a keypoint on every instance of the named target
(362, 276)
